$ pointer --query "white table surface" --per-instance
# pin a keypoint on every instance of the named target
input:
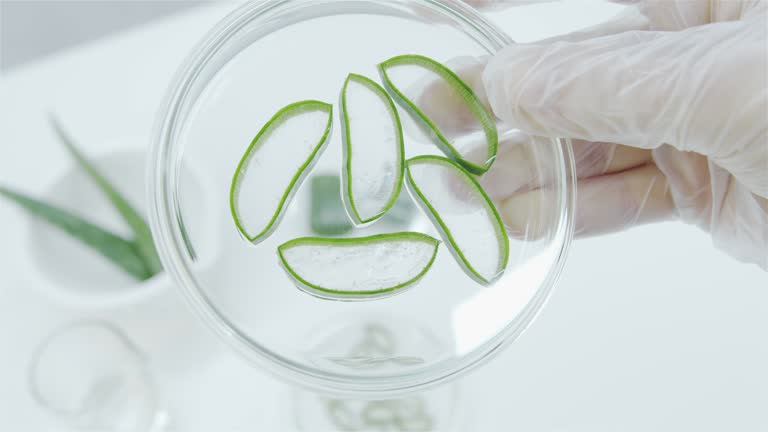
(651, 329)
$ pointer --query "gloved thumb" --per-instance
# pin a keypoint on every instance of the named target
(588, 90)
(638, 88)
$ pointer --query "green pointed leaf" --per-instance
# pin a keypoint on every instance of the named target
(121, 252)
(141, 232)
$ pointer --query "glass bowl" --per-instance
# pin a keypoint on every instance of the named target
(266, 55)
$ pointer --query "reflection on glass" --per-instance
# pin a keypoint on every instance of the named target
(90, 376)
(376, 345)
(406, 414)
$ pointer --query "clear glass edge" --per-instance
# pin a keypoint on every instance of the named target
(170, 241)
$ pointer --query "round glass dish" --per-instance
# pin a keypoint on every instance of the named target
(266, 55)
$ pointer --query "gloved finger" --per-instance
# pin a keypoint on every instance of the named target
(709, 197)
(631, 18)
(690, 183)
(576, 90)
(440, 102)
(604, 204)
(664, 15)
(645, 89)
(671, 15)
(523, 163)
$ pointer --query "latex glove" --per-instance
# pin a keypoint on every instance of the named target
(681, 85)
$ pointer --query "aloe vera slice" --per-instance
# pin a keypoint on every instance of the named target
(119, 251)
(141, 232)
(463, 214)
(361, 268)
(275, 164)
(373, 150)
(476, 162)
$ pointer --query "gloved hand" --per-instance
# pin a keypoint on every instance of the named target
(667, 106)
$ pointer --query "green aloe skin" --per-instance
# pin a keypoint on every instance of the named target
(393, 157)
(324, 258)
(256, 234)
(447, 230)
(474, 105)
(303, 259)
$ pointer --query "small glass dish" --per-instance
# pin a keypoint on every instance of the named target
(266, 55)
(89, 375)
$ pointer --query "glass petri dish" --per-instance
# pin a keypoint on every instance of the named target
(266, 55)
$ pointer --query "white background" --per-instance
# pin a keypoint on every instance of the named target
(651, 329)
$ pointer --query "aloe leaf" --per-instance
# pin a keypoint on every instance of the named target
(141, 232)
(275, 165)
(327, 216)
(463, 214)
(362, 268)
(373, 150)
(476, 162)
(121, 252)
(402, 212)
